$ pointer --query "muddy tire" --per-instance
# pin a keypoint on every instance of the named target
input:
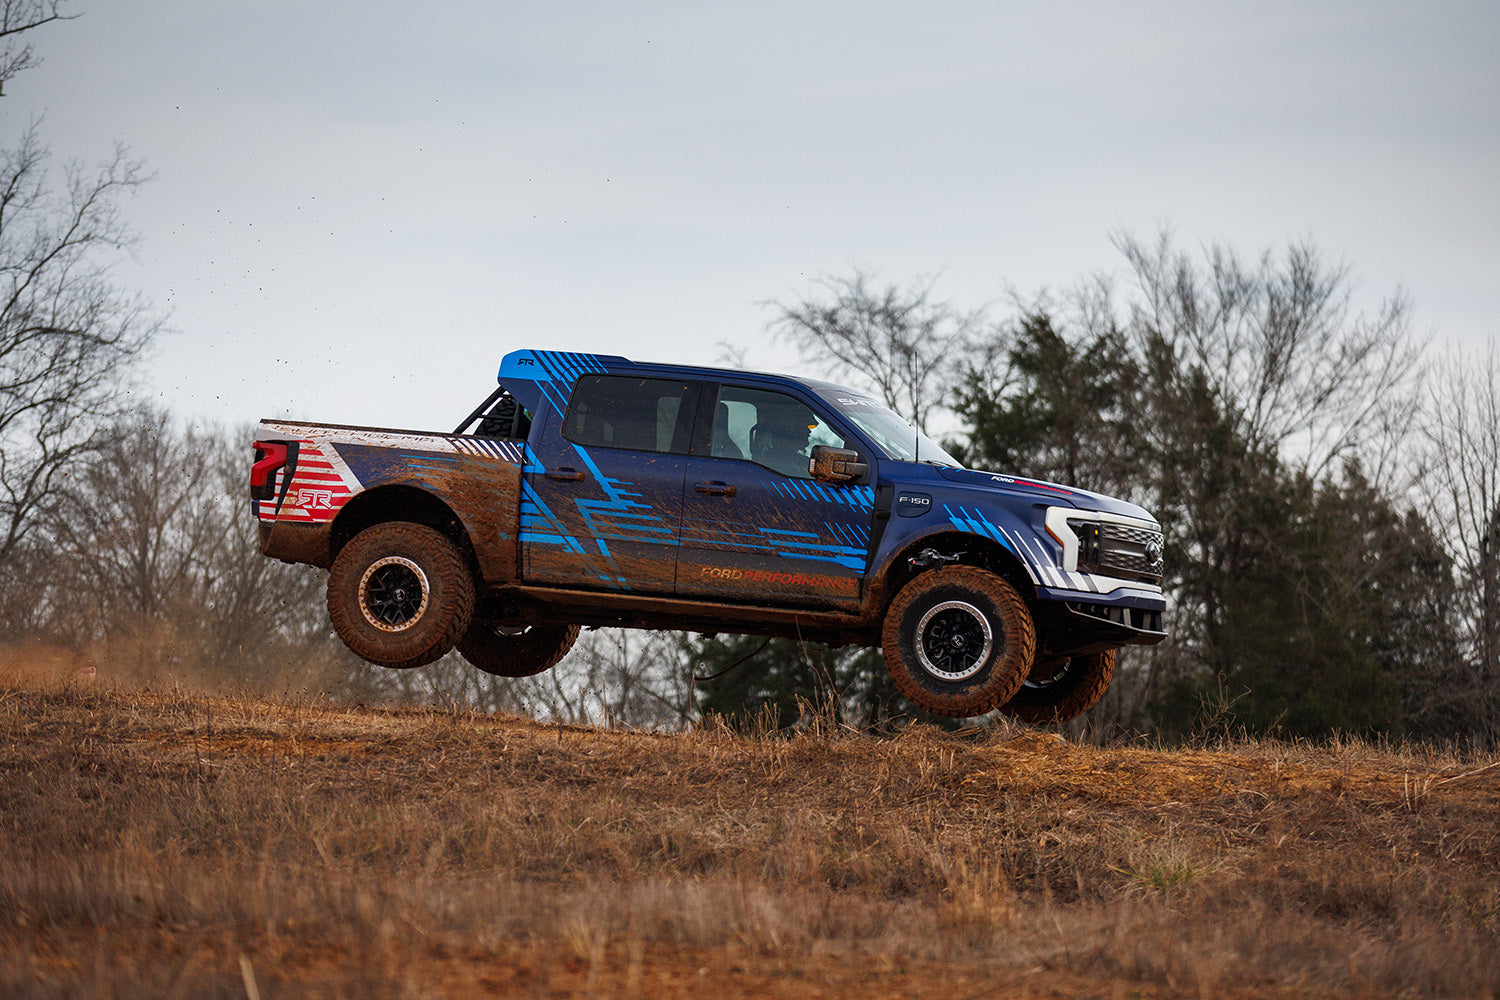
(400, 594)
(521, 652)
(958, 641)
(1062, 688)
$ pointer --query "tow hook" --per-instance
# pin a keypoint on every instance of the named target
(928, 558)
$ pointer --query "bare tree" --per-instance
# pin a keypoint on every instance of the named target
(153, 552)
(68, 335)
(127, 533)
(1462, 485)
(17, 17)
(909, 347)
(1255, 377)
(622, 677)
(1279, 349)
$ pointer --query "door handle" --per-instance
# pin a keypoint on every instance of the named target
(564, 473)
(716, 488)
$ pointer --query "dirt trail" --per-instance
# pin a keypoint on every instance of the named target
(170, 843)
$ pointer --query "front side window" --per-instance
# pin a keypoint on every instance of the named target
(770, 429)
(611, 411)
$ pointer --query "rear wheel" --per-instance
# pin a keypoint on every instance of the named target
(400, 594)
(516, 652)
(1062, 688)
(958, 641)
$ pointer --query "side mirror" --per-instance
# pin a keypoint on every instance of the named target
(835, 465)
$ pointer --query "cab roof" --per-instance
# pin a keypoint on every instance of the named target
(534, 377)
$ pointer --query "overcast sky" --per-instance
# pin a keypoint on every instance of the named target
(359, 207)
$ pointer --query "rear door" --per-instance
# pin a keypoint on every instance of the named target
(601, 502)
(755, 525)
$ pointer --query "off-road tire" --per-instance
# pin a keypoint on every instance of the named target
(1062, 688)
(958, 641)
(400, 594)
(522, 653)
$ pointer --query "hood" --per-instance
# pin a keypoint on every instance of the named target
(1053, 492)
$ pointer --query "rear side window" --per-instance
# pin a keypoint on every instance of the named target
(612, 411)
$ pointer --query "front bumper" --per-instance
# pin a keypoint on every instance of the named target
(1077, 622)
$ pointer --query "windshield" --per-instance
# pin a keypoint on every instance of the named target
(890, 432)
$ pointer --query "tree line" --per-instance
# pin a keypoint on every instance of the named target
(1329, 485)
(1328, 482)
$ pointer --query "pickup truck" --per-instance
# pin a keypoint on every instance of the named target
(590, 490)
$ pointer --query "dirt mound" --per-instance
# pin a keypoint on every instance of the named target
(163, 844)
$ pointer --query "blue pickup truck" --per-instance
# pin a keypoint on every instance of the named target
(590, 490)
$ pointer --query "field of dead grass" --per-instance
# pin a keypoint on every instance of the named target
(162, 845)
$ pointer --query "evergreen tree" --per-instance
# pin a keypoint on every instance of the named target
(1054, 409)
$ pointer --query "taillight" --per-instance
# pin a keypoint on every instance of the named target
(269, 457)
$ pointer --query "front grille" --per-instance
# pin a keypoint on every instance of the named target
(1119, 550)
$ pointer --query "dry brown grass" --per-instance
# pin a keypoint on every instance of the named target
(176, 845)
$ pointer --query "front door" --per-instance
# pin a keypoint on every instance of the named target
(755, 525)
(601, 501)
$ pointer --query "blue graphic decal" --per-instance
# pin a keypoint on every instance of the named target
(784, 543)
(538, 377)
(622, 517)
(540, 525)
(861, 497)
(976, 523)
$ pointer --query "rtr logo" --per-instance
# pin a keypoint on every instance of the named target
(314, 499)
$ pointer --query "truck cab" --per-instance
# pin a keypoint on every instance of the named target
(593, 490)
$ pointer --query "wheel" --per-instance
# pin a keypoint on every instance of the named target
(400, 594)
(516, 652)
(1062, 688)
(958, 641)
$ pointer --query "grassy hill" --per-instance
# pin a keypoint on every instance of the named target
(176, 845)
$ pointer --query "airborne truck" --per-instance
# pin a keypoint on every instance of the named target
(590, 490)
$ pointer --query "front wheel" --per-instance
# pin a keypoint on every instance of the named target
(516, 652)
(400, 594)
(1062, 688)
(958, 641)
